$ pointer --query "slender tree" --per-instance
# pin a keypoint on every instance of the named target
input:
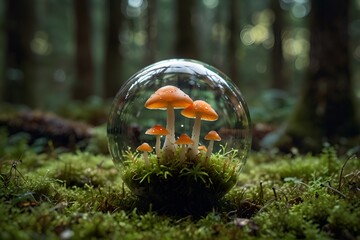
(232, 50)
(185, 45)
(151, 30)
(20, 60)
(2, 49)
(84, 62)
(113, 58)
(325, 111)
(277, 58)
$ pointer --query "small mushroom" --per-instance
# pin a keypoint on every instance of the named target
(202, 148)
(200, 110)
(145, 147)
(169, 98)
(211, 136)
(183, 140)
(158, 131)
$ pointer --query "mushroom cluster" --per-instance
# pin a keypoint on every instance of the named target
(169, 98)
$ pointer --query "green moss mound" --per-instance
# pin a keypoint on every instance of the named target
(188, 186)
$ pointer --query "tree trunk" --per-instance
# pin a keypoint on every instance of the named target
(326, 110)
(277, 59)
(113, 58)
(19, 59)
(84, 83)
(151, 32)
(232, 50)
(185, 45)
(2, 50)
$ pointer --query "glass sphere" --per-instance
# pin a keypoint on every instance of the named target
(134, 114)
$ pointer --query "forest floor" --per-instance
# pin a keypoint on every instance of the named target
(49, 193)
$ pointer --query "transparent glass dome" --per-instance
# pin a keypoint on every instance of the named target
(129, 119)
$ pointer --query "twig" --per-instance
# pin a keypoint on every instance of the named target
(342, 170)
(333, 189)
(261, 193)
(275, 195)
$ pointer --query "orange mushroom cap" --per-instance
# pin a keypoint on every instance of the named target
(145, 147)
(184, 139)
(202, 148)
(212, 135)
(168, 95)
(200, 107)
(157, 130)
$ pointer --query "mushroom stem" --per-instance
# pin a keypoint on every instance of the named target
(146, 158)
(210, 148)
(182, 153)
(169, 144)
(157, 146)
(195, 137)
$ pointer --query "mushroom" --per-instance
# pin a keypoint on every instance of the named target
(183, 140)
(211, 136)
(169, 98)
(200, 110)
(202, 148)
(145, 147)
(158, 131)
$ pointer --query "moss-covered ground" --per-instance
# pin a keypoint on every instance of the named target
(79, 195)
(187, 186)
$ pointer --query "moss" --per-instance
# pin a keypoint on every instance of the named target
(189, 186)
(316, 216)
(81, 195)
(98, 143)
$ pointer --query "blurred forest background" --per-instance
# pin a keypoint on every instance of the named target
(56, 54)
